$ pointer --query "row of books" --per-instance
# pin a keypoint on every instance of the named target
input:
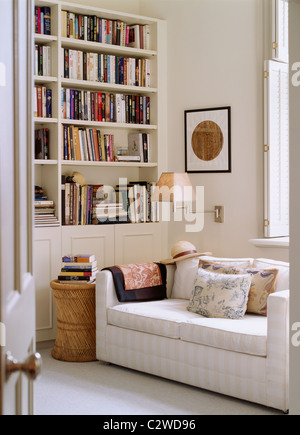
(95, 29)
(106, 68)
(78, 202)
(43, 20)
(136, 198)
(42, 102)
(87, 144)
(78, 269)
(44, 209)
(84, 205)
(42, 137)
(42, 60)
(105, 107)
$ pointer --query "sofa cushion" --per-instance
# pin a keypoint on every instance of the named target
(186, 271)
(282, 280)
(220, 295)
(155, 317)
(184, 278)
(239, 262)
(170, 318)
(262, 283)
(247, 335)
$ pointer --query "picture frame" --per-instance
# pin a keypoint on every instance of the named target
(208, 140)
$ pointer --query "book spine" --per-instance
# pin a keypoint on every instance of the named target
(47, 21)
(48, 103)
(73, 278)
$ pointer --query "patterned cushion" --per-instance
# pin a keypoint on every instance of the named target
(220, 295)
(262, 284)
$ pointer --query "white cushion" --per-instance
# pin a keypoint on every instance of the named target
(156, 317)
(246, 335)
(186, 272)
(283, 278)
(170, 318)
(184, 278)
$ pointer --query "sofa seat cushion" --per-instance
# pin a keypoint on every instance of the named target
(156, 317)
(247, 335)
(170, 318)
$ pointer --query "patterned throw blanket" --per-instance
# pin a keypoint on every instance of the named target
(140, 282)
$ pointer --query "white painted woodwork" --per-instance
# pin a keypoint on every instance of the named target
(136, 242)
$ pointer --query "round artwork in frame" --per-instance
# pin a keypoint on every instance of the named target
(207, 140)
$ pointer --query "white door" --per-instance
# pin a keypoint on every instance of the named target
(17, 295)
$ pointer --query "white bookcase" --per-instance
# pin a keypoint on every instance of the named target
(113, 243)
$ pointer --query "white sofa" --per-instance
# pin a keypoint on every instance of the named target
(245, 358)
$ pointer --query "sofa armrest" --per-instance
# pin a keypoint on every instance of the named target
(105, 297)
(278, 349)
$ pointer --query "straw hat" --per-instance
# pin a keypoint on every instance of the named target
(181, 251)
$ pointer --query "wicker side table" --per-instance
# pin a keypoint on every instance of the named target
(76, 322)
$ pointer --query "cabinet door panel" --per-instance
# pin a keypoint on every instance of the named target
(137, 243)
(94, 240)
(47, 257)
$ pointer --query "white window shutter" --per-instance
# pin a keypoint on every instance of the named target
(280, 30)
(276, 149)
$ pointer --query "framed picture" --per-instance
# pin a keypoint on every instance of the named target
(208, 140)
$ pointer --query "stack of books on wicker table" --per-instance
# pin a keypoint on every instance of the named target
(78, 269)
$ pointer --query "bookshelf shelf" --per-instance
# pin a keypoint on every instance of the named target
(44, 79)
(42, 39)
(108, 164)
(106, 48)
(45, 120)
(110, 125)
(45, 162)
(85, 84)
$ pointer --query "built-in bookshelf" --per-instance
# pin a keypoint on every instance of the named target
(108, 75)
(99, 79)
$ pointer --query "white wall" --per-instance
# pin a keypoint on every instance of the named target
(215, 58)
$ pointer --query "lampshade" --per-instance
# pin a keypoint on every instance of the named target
(174, 187)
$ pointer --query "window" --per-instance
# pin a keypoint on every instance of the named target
(277, 127)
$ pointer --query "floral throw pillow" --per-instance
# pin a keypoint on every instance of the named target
(220, 295)
(262, 283)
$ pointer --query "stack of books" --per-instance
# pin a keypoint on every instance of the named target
(44, 210)
(78, 269)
